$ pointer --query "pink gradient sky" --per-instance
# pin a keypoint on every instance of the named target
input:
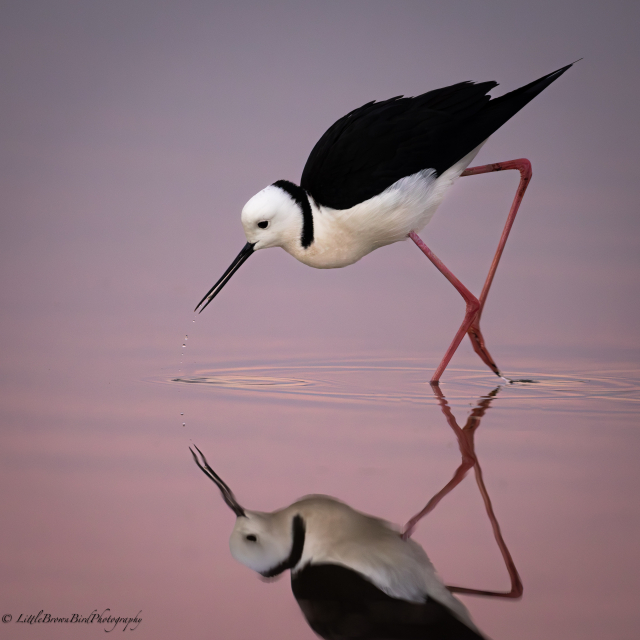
(132, 135)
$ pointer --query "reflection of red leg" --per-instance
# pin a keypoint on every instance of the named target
(458, 476)
(471, 322)
(516, 582)
(465, 442)
(524, 167)
(469, 459)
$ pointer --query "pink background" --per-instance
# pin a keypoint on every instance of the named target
(132, 134)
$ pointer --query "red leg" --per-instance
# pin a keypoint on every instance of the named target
(524, 167)
(473, 305)
(471, 322)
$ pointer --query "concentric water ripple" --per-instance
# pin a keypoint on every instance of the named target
(242, 381)
(367, 381)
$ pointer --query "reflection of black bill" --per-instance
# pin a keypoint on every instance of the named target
(227, 494)
(247, 250)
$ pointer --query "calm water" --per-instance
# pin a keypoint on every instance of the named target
(132, 135)
(107, 508)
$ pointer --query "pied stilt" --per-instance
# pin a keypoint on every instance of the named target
(377, 176)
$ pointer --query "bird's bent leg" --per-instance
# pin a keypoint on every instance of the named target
(473, 305)
(524, 167)
(477, 342)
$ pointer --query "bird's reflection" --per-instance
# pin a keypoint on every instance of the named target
(355, 576)
(339, 604)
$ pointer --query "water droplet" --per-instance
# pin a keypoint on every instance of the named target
(182, 414)
(184, 424)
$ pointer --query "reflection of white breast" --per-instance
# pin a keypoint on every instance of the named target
(342, 237)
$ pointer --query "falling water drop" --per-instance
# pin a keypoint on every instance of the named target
(182, 352)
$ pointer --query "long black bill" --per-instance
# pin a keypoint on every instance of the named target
(227, 494)
(247, 250)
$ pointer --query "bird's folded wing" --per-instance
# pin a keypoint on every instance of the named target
(372, 147)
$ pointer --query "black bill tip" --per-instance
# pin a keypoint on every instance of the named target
(247, 250)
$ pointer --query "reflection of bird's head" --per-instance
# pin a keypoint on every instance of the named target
(268, 543)
(320, 531)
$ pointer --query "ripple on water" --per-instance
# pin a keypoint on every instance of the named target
(371, 381)
(243, 381)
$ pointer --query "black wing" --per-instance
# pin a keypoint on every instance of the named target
(341, 604)
(372, 147)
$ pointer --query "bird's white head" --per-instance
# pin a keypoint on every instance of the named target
(272, 218)
(268, 543)
(278, 216)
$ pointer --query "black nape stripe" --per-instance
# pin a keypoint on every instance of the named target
(299, 195)
(298, 531)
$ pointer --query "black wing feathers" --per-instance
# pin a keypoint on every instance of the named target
(370, 148)
(375, 145)
(341, 604)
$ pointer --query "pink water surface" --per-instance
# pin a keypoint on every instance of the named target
(132, 134)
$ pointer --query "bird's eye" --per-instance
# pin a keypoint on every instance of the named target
(251, 538)
(264, 224)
